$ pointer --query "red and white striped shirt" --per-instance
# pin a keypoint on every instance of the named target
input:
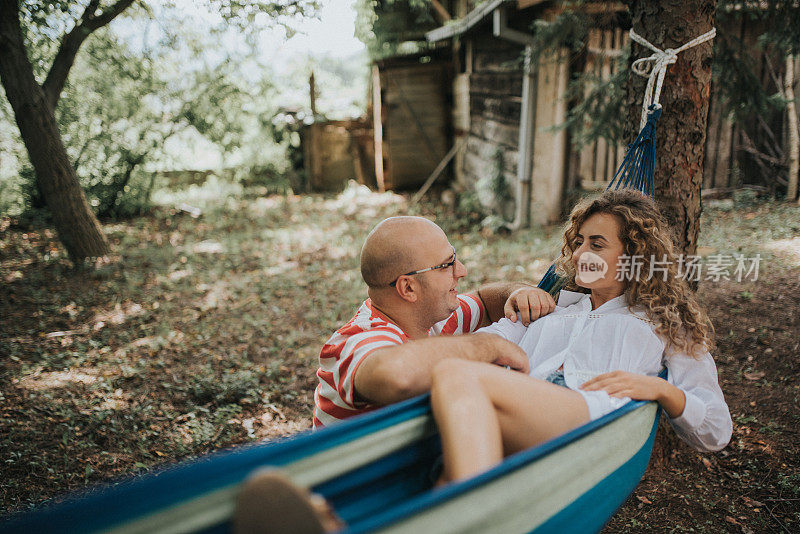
(368, 331)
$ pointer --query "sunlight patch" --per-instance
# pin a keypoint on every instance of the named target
(789, 248)
(208, 247)
(56, 379)
(120, 314)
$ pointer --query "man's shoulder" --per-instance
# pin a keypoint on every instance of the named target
(366, 319)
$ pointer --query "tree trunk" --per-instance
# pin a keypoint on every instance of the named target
(76, 224)
(794, 132)
(681, 132)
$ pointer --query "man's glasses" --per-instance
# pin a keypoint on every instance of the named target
(445, 265)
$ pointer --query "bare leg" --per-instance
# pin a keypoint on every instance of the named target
(484, 411)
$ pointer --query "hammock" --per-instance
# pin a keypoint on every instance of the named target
(375, 469)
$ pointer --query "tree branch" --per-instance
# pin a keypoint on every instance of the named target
(72, 41)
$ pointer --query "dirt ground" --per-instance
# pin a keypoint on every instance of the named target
(205, 335)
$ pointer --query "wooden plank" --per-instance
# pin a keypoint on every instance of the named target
(622, 44)
(505, 111)
(438, 170)
(494, 58)
(398, 124)
(506, 134)
(522, 4)
(603, 71)
(487, 150)
(496, 83)
(588, 156)
(414, 118)
(550, 146)
(412, 150)
(460, 111)
(377, 126)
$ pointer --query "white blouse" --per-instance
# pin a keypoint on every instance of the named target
(592, 342)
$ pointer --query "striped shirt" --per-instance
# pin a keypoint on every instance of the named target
(368, 331)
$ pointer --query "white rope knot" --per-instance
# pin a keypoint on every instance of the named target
(654, 67)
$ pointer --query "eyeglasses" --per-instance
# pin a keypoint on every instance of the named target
(444, 265)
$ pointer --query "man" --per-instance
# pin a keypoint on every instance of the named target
(386, 352)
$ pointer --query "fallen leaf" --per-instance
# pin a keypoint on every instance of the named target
(751, 502)
(707, 463)
(755, 375)
(644, 499)
(732, 520)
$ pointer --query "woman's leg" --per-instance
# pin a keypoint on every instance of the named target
(485, 412)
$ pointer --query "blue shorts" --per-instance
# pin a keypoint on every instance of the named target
(557, 378)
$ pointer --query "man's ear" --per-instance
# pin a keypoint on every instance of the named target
(407, 289)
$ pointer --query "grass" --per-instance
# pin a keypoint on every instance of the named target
(206, 334)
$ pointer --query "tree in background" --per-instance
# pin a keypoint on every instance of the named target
(390, 27)
(69, 24)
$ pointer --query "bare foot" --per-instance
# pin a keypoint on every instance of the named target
(270, 503)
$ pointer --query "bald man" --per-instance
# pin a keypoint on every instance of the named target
(386, 352)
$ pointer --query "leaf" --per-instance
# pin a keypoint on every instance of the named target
(644, 499)
(755, 375)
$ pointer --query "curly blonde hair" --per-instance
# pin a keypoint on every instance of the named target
(668, 300)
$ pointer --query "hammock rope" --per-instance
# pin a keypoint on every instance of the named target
(654, 67)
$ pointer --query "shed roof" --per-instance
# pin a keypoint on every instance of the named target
(457, 27)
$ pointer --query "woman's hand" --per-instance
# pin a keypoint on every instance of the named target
(639, 387)
(531, 302)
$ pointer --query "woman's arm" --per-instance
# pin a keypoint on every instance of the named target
(692, 398)
(640, 387)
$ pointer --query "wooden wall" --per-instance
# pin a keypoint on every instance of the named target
(415, 113)
(494, 79)
(597, 162)
(731, 160)
(335, 152)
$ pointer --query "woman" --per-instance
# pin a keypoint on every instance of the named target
(594, 354)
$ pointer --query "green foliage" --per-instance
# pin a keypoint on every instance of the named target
(129, 93)
(390, 27)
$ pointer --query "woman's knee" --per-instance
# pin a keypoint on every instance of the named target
(452, 374)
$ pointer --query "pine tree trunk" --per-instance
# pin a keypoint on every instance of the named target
(76, 224)
(681, 132)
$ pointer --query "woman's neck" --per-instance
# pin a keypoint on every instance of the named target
(599, 297)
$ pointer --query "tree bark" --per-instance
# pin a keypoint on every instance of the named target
(681, 132)
(76, 224)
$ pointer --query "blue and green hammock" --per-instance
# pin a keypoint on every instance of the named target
(375, 470)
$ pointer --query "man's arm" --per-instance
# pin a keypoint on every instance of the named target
(502, 299)
(403, 371)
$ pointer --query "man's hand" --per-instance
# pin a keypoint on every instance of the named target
(511, 355)
(531, 302)
(399, 372)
